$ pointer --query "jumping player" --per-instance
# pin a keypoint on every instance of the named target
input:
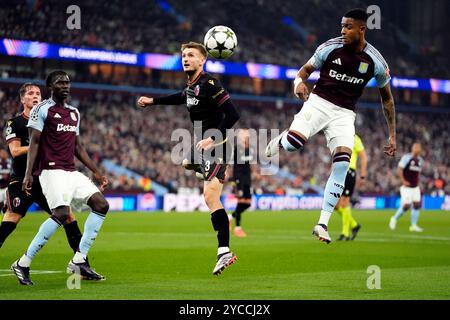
(212, 113)
(346, 65)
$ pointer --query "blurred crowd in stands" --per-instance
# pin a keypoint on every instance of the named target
(277, 32)
(113, 128)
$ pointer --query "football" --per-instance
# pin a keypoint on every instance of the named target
(220, 42)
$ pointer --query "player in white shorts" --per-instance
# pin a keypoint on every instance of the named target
(409, 169)
(54, 144)
(346, 65)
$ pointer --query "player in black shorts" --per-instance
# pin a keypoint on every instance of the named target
(243, 155)
(5, 170)
(18, 201)
(212, 113)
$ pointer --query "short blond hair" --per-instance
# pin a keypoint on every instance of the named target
(195, 45)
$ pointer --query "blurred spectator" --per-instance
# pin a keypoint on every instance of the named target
(140, 140)
(260, 25)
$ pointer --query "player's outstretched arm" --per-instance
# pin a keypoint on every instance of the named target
(83, 156)
(144, 102)
(300, 88)
(387, 100)
(35, 137)
(173, 99)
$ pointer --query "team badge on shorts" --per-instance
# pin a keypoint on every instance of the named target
(363, 67)
(16, 202)
(73, 116)
(197, 90)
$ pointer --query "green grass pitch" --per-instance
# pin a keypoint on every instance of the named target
(171, 256)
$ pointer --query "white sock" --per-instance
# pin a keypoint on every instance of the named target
(237, 228)
(79, 257)
(230, 217)
(324, 217)
(222, 250)
(24, 261)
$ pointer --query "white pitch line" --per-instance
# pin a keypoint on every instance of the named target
(297, 235)
(410, 236)
(31, 272)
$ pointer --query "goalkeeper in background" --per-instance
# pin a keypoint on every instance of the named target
(343, 207)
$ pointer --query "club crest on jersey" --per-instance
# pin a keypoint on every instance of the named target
(73, 116)
(363, 67)
(197, 90)
(16, 202)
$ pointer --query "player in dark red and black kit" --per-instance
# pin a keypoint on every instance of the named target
(18, 201)
(212, 113)
(5, 168)
(242, 177)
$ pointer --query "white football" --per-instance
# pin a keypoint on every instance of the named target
(220, 42)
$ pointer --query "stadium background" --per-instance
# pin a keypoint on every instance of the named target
(134, 146)
(165, 256)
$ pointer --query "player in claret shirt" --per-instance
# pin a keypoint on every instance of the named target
(212, 113)
(346, 65)
(18, 200)
(54, 143)
(409, 169)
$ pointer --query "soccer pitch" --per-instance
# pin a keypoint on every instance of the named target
(171, 256)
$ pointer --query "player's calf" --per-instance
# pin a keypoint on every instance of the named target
(334, 186)
(92, 226)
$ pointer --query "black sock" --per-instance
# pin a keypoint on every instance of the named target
(6, 228)
(73, 234)
(219, 219)
(241, 207)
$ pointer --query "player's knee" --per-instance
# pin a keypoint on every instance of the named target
(98, 203)
(292, 141)
(12, 217)
(406, 207)
(61, 214)
(416, 206)
(344, 202)
(101, 206)
(71, 218)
